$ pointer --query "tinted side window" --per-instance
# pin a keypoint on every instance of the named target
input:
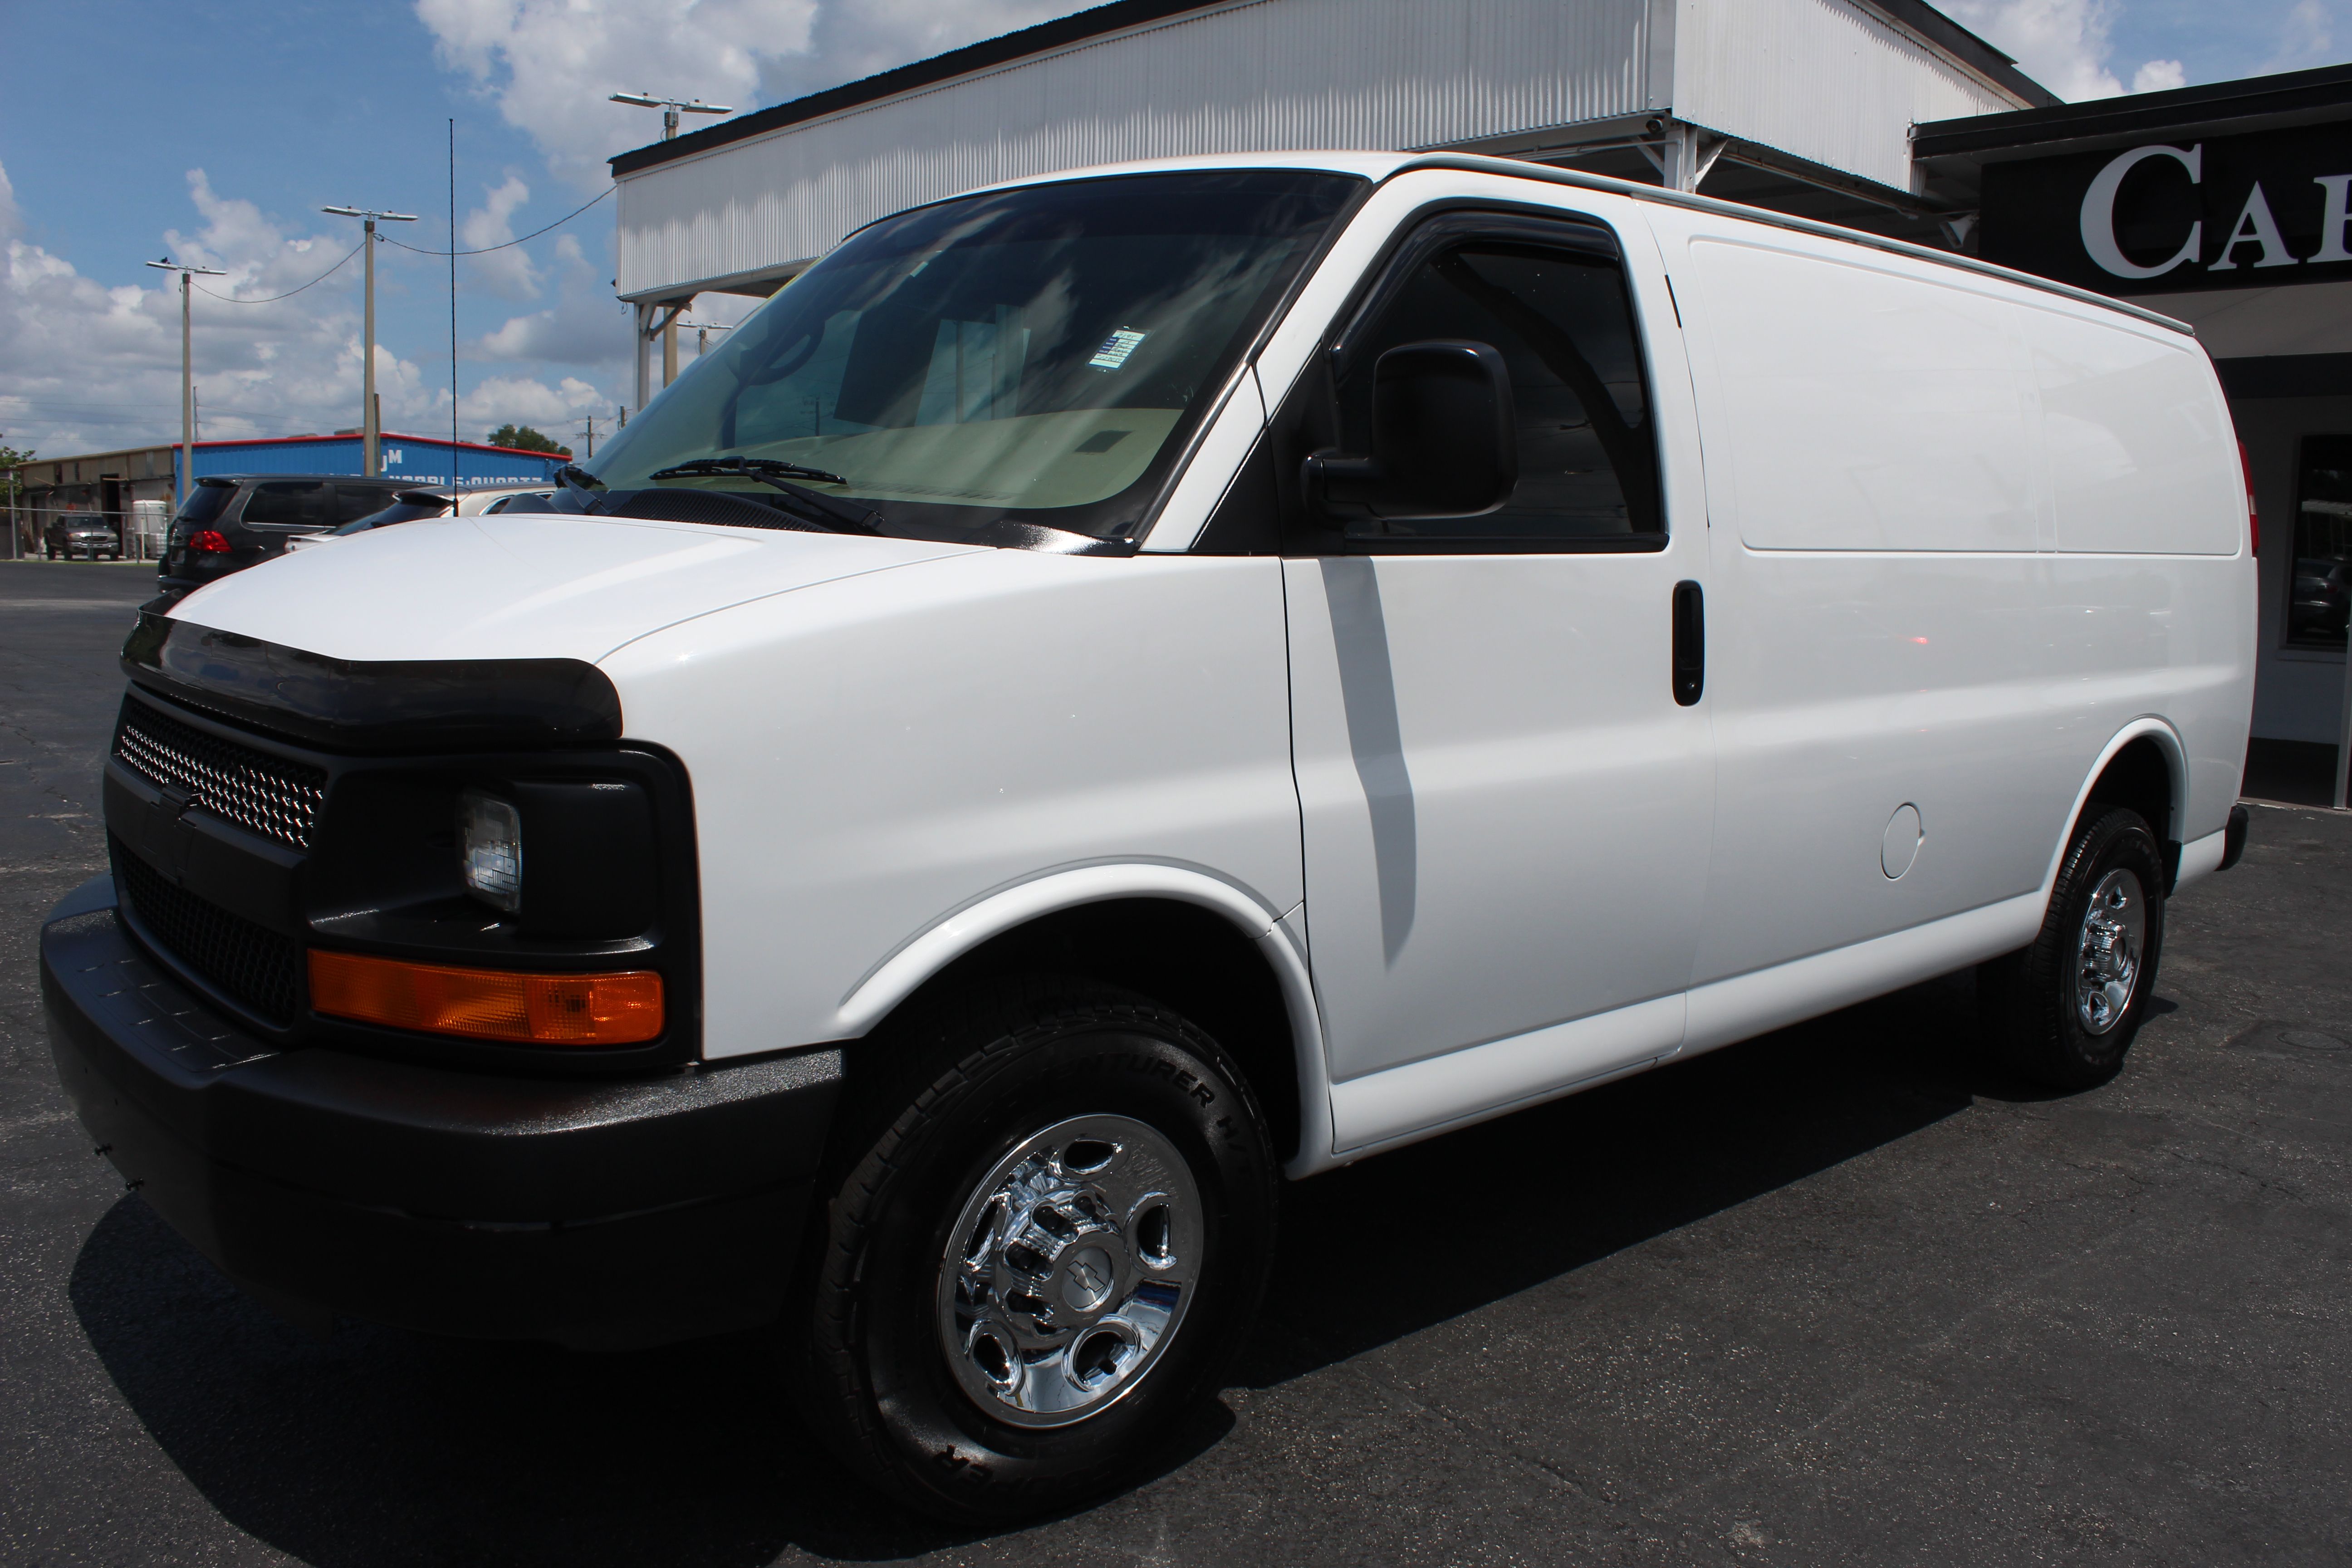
(1564, 326)
(205, 504)
(355, 501)
(2319, 590)
(295, 504)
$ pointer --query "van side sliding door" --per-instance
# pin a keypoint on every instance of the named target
(1505, 807)
(1889, 751)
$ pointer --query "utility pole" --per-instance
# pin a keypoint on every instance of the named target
(589, 435)
(187, 370)
(702, 330)
(370, 433)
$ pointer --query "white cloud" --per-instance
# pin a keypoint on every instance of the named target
(586, 326)
(507, 273)
(551, 65)
(2306, 38)
(2062, 43)
(84, 367)
(2065, 45)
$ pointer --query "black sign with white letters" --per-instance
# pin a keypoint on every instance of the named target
(2165, 216)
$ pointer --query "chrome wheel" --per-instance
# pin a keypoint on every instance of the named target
(1068, 1269)
(2114, 932)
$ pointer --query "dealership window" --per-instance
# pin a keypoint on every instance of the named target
(2320, 586)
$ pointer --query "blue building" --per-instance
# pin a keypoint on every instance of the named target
(108, 483)
(425, 459)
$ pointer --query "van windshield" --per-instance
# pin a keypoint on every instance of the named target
(1033, 356)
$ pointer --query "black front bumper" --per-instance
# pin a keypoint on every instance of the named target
(587, 1213)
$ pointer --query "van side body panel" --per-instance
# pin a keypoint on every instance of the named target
(1895, 618)
(871, 758)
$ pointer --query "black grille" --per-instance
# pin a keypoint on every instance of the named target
(273, 797)
(255, 965)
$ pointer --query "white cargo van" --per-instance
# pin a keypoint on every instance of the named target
(1109, 691)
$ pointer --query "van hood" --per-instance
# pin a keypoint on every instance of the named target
(533, 585)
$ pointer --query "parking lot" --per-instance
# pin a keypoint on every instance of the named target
(1841, 1295)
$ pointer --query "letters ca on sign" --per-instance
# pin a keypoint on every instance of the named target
(2255, 225)
(2187, 212)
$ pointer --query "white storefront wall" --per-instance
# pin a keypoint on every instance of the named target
(1830, 81)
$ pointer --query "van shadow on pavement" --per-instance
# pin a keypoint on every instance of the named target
(385, 1447)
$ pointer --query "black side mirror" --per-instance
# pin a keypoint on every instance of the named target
(1444, 437)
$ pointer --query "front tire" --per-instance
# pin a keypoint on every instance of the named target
(1045, 1259)
(2064, 1011)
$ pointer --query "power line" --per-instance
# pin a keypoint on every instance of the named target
(322, 277)
(534, 234)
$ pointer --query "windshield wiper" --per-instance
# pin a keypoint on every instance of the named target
(581, 480)
(758, 466)
(837, 515)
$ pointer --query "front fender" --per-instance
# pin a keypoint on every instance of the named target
(932, 949)
(1278, 935)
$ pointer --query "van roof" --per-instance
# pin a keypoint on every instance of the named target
(1380, 167)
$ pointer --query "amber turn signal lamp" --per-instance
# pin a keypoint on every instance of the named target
(488, 1004)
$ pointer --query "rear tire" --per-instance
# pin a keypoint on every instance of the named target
(2063, 1012)
(1042, 1258)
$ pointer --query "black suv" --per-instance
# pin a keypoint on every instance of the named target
(231, 522)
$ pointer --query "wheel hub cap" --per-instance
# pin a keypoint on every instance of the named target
(2115, 929)
(1068, 1269)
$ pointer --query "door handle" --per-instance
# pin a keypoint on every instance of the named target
(1690, 643)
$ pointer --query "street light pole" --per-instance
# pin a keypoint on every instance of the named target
(371, 435)
(187, 372)
(702, 330)
(671, 109)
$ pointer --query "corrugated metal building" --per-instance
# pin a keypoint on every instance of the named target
(1800, 105)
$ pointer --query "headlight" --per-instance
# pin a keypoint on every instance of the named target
(490, 841)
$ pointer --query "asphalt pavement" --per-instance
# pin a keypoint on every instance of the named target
(1841, 1295)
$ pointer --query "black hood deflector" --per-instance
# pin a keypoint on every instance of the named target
(386, 705)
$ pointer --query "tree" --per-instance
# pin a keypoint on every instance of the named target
(10, 459)
(525, 439)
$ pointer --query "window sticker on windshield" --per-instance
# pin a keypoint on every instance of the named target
(1116, 348)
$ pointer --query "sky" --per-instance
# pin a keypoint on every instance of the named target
(214, 131)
